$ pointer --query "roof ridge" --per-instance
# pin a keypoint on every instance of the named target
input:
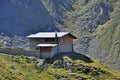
(48, 34)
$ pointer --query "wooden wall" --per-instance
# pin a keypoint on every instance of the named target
(45, 52)
(65, 48)
(53, 51)
(34, 42)
(65, 45)
(66, 40)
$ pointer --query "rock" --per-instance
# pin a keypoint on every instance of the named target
(94, 16)
(11, 57)
(13, 67)
(40, 63)
(33, 58)
(83, 2)
(14, 42)
(41, 66)
(57, 64)
(82, 79)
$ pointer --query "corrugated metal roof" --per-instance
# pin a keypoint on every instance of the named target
(46, 45)
(47, 35)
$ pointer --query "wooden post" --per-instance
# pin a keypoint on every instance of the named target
(39, 53)
(56, 41)
(72, 47)
(56, 37)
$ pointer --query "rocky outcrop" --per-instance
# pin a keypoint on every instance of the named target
(14, 42)
(57, 8)
(93, 16)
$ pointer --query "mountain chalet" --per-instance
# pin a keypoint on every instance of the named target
(51, 43)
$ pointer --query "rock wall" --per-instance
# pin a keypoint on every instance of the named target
(19, 52)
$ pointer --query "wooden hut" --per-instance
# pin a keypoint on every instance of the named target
(51, 43)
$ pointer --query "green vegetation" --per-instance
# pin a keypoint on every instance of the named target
(109, 36)
(67, 66)
(109, 32)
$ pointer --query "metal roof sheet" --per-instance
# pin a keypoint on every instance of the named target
(47, 35)
(46, 45)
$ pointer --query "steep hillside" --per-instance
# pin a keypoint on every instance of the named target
(23, 17)
(107, 48)
(69, 66)
(94, 22)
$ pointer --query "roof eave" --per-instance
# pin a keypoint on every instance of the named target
(70, 35)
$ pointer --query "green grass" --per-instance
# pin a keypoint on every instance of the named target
(20, 68)
(110, 31)
(14, 70)
(81, 61)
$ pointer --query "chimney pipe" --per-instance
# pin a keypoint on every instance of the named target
(56, 37)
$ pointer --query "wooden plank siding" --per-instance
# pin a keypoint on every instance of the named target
(45, 52)
(35, 41)
(66, 40)
(65, 48)
(65, 44)
(53, 51)
(48, 52)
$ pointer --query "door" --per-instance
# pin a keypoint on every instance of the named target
(45, 52)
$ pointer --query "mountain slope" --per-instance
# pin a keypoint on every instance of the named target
(23, 17)
(108, 40)
(94, 22)
(82, 67)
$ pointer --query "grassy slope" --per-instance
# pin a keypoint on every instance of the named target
(109, 35)
(18, 68)
(110, 31)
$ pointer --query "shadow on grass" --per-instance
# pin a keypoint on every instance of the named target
(73, 56)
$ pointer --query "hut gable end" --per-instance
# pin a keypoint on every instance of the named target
(67, 39)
